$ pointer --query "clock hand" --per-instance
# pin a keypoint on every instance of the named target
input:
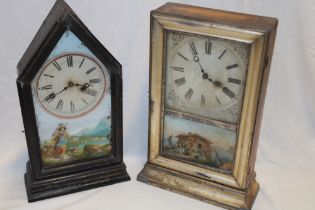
(65, 88)
(84, 86)
(196, 59)
(77, 84)
(225, 89)
(204, 75)
(70, 85)
(215, 83)
(220, 85)
(52, 95)
(202, 69)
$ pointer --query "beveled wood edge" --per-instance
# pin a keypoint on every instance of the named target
(249, 111)
(196, 171)
(39, 189)
(207, 28)
(232, 18)
(158, 25)
(199, 189)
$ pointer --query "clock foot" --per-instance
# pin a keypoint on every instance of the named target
(207, 191)
(39, 189)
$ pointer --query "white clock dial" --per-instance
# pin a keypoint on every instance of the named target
(205, 76)
(71, 85)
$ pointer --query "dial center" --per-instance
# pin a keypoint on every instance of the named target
(70, 84)
(69, 90)
(217, 83)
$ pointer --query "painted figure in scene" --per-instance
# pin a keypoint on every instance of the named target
(73, 104)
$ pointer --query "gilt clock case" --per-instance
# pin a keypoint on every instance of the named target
(44, 180)
(208, 78)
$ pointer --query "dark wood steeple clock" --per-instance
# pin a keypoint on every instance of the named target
(70, 90)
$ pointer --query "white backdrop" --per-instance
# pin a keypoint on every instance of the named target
(286, 155)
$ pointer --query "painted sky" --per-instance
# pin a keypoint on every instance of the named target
(69, 42)
(221, 137)
(47, 123)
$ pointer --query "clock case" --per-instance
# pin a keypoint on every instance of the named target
(45, 182)
(237, 189)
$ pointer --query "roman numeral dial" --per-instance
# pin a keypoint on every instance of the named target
(59, 104)
(189, 93)
(232, 66)
(203, 100)
(180, 81)
(193, 49)
(71, 85)
(46, 87)
(57, 66)
(205, 76)
(235, 81)
(70, 61)
(208, 46)
(228, 92)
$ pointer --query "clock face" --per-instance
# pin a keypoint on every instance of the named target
(205, 76)
(72, 102)
(204, 85)
(71, 85)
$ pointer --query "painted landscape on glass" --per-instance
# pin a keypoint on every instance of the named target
(64, 146)
(202, 144)
(72, 99)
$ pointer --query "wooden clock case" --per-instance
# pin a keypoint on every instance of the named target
(238, 189)
(45, 182)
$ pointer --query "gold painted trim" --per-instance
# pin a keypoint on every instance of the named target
(207, 29)
(249, 112)
(239, 176)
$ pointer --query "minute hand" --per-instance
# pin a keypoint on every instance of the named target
(51, 96)
(196, 59)
(202, 69)
(204, 74)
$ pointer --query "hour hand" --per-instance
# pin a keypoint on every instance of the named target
(215, 82)
(206, 77)
(50, 97)
(85, 86)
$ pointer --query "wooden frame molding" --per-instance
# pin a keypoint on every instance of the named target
(49, 181)
(259, 33)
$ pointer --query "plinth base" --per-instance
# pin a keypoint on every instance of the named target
(39, 189)
(200, 189)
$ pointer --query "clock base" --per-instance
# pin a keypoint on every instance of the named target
(39, 189)
(210, 192)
